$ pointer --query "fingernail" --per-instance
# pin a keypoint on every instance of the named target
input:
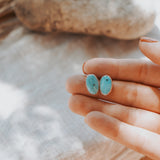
(148, 40)
(83, 67)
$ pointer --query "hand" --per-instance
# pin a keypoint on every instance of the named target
(130, 114)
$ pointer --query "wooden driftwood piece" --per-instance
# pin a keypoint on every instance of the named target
(119, 19)
(8, 20)
(5, 7)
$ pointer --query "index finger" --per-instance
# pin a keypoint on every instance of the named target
(136, 70)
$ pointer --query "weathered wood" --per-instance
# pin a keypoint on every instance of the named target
(8, 20)
(7, 24)
(117, 19)
(5, 7)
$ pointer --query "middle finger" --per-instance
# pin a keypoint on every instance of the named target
(126, 93)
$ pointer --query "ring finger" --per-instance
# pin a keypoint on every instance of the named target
(83, 105)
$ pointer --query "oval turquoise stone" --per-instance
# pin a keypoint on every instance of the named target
(105, 85)
(92, 84)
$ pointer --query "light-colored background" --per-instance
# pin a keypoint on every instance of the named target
(35, 122)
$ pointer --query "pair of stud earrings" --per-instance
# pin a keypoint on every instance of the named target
(92, 84)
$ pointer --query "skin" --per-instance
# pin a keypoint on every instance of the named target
(130, 114)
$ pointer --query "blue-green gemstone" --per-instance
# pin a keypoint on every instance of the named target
(92, 84)
(105, 85)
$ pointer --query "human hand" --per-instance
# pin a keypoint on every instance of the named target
(131, 115)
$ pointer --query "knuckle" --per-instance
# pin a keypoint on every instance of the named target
(143, 71)
(131, 95)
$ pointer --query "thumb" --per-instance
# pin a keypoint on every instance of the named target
(150, 48)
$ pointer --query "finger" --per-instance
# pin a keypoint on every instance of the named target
(137, 70)
(138, 139)
(82, 105)
(150, 48)
(126, 93)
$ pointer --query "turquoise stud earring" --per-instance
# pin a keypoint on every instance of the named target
(92, 84)
(105, 85)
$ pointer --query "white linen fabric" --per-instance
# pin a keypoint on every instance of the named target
(35, 121)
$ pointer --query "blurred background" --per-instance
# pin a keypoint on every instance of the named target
(38, 53)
